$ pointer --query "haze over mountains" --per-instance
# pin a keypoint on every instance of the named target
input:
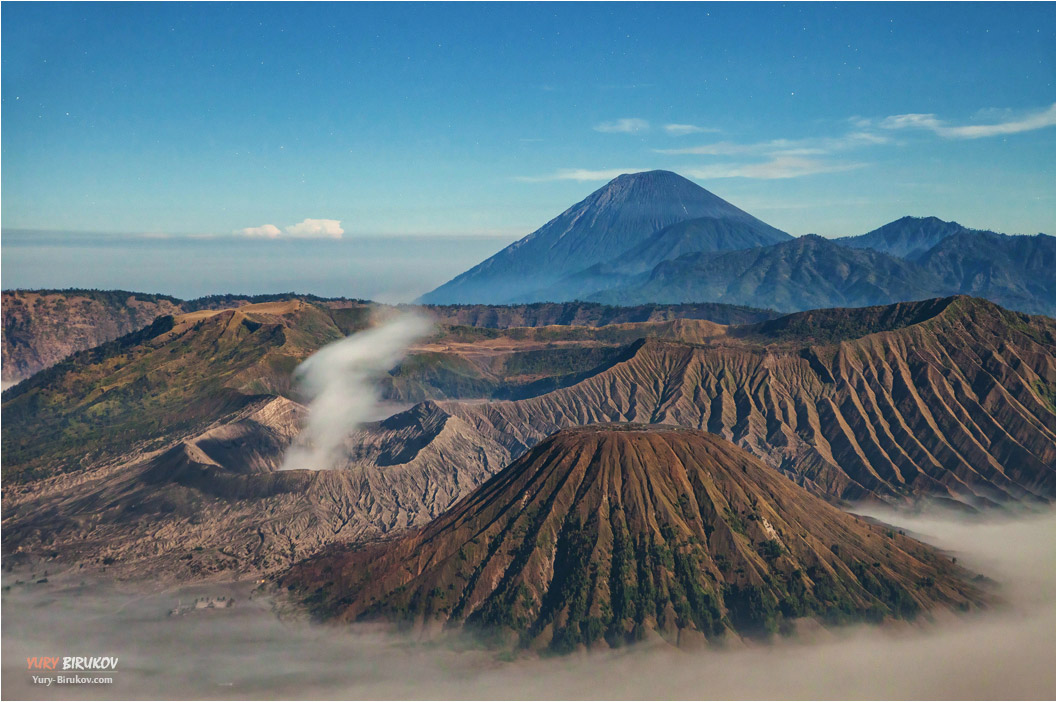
(657, 237)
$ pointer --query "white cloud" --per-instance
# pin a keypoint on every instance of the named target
(627, 125)
(266, 231)
(1039, 119)
(581, 174)
(777, 168)
(307, 229)
(316, 229)
(684, 129)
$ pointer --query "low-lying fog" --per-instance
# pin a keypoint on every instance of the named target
(246, 652)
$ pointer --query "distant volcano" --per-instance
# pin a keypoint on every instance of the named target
(610, 534)
(656, 237)
(611, 221)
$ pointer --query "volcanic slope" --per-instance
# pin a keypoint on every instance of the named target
(613, 219)
(950, 398)
(619, 533)
(42, 327)
(175, 376)
(706, 235)
(214, 502)
(184, 372)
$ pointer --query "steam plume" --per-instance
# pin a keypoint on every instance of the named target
(340, 381)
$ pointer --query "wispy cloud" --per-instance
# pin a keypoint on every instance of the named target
(1037, 119)
(777, 168)
(627, 125)
(684, 129)
(581, 174)
(779, 158)
(815, 146)
(306, 229)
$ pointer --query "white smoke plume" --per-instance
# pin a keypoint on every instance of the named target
(340, 381)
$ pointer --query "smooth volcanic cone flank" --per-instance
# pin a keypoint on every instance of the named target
(617, 533)
(615, 218)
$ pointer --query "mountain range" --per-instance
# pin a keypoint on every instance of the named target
(656, 237)
(158, 452)
(42, 327)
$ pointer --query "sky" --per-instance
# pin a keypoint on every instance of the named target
(246, 124)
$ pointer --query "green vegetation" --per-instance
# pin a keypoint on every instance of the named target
(770, 549)
(151, 385)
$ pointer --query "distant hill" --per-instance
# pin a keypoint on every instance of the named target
(613, 534)
(1017, 272)
(907, 237)
(616, 218)
(805, 273)
(708, 234)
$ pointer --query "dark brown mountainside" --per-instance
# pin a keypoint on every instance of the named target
(617, 533)
(955, 399)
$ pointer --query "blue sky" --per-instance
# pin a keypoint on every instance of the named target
(275, 121)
